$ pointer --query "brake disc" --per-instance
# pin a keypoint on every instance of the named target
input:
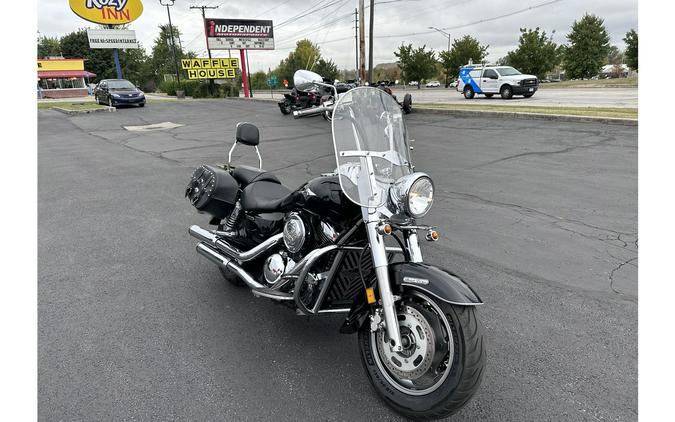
(418, 341)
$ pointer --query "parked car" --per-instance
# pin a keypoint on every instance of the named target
(413, 83)
(489, 80)
(116, 92)
(433, 84)
(453, 84)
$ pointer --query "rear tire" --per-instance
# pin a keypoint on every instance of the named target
(506, 92)
(468, 92)
(285, 108)
(447, 378)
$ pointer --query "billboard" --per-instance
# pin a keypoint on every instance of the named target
(236, 34)
(107, 12)
(210, 68)
(112, 38)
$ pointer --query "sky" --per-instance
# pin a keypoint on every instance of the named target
(330, 23)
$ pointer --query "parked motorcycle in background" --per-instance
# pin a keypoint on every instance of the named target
(304, 94)
(348, 242)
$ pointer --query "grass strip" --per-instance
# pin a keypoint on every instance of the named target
(616, 112)
(69, 105)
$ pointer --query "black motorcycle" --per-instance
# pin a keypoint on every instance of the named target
(348, 242)
(304, 95)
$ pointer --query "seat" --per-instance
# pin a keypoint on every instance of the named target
(246, 175)
(264, 196)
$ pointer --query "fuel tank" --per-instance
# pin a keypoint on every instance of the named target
(323, 196)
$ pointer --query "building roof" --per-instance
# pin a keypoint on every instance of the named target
(43, 74)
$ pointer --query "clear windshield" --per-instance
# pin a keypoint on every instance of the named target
(120, 84)
(371, 147)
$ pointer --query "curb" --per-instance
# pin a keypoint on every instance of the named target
(75, 112)
(531, 116)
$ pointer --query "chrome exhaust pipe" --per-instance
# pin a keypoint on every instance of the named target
(212, 240)
(227, 263)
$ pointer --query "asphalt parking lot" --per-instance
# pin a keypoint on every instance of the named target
(539, 216)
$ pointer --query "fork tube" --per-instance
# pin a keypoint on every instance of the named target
(380, 263)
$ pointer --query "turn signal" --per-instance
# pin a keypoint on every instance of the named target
(370, 295)
(384, 229)
(432, 236)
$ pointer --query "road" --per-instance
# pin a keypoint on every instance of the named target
(545, 97)
(539, 216)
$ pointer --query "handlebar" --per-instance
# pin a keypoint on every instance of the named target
(314, 111)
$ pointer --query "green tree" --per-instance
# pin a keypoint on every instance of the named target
(631, 41)
(327, 69)
(615, 56)
(463, 51)
(259, 80)
(305, 56)
(48, 47)
(536, 54)
(161, 58)
(588, 47)
(416, 64)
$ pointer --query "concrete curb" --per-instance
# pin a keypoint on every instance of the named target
(75, 112)
(531, 116)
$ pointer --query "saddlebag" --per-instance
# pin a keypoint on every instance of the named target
(212, 190)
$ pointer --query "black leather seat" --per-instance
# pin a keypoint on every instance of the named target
(264, 196)
(246, 175)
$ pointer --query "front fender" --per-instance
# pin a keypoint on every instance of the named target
(436, 281)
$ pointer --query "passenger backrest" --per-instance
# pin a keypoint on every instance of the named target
(248, 134)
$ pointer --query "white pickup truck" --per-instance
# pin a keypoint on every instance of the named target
(489, 80)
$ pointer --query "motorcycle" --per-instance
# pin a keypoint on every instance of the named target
(304, 95)
(406, 105)
(348, 242)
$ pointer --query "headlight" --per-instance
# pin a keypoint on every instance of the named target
(413, 194)
(115, 95)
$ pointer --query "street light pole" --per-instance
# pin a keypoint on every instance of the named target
(168, 3)
(445, 34)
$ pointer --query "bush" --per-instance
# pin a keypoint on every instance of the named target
(228, 90)
(201, 90)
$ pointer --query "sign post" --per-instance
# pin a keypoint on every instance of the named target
(242, 35)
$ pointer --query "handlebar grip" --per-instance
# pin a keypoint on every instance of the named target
(314, 111)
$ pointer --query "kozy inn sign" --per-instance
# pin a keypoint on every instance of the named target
(107, 12)
(210, 68)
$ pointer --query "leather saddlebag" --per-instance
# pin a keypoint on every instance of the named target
(212, 190)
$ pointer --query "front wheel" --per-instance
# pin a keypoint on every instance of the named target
(407, 103)
(506, 92)
(441, 365)
(285, 107)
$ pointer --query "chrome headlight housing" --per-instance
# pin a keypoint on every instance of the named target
(413, 194)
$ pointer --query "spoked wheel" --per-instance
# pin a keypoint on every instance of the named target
(440, 366)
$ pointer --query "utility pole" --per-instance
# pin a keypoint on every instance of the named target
(370, 42)
(206, 37)
(173, 42)
(362, 42)
(356, 39)
(445, 34)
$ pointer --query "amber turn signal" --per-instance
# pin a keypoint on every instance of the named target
(370, 295)
(432, 235)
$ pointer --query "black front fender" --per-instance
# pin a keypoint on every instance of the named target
(435, 281)
(438, 282)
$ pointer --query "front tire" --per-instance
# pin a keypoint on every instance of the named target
(468, 92)
(506, 92)
(285, 108)
(436, 374)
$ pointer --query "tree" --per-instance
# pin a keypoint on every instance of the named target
(588, 47)
(631, 41)
(464, 50)
(48, 47)
(327, 69)
(615, 56)
(416, 64)
(161, 57)
(259, 80)
(536, 54)
(305, 56)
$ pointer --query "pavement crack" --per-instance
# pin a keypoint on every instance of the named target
(614, 270)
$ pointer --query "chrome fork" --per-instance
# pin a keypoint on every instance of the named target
(381, 265)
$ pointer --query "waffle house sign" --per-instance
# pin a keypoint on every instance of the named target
(107, 12)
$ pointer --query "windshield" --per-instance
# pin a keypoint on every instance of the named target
(120, 85)
(371, 147)
(508, 71)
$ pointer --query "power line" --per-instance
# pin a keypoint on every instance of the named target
(548, 3)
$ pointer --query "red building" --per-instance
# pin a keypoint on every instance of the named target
(63, 78)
